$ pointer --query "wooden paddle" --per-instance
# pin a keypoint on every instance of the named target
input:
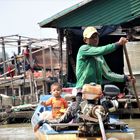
(131, 74)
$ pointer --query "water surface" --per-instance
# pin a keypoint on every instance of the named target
(16, 132)
(25, 132)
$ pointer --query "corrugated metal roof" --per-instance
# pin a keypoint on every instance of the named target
(95, 12)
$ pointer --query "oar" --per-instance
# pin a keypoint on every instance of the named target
(131, 74)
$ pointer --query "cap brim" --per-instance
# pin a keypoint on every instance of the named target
(90, 34)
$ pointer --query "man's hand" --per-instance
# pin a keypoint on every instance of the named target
(122, 41)
(131, 79)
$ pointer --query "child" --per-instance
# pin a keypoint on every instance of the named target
(58, 104)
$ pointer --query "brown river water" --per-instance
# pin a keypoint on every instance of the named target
(25, 132)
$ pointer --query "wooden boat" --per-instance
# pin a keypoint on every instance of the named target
(70, 131)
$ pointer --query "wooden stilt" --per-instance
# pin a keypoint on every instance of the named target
(44, 71)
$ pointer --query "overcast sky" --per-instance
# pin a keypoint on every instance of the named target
(22, 17)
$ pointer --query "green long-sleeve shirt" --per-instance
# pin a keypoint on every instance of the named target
(91, 66)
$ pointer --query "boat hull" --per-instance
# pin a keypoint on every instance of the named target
(118, 136)
(44, 134)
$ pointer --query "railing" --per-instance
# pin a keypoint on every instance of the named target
(26, 43)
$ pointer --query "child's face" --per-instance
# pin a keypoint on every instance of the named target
(56, 91)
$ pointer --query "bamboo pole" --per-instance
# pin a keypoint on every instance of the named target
(20, 56)
(14, 79)
(3, 75)
(131, 74)
(9, 36)
(6, 61)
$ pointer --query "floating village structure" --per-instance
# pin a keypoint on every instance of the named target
(27, 74)
(56, 59)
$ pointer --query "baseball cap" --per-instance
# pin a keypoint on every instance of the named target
(89, 31)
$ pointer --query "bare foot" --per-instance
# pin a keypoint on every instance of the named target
(36, 127)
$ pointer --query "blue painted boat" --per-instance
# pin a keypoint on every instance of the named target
(70, 131)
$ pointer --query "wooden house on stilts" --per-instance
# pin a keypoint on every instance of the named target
(113, 19)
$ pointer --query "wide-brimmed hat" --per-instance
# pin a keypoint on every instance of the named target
(89, 31)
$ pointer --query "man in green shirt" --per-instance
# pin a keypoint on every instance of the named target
(91, 65)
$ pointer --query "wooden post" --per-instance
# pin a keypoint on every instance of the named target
(19, 43)
(44, 71)
(6, 90)
(16, 67)
(4, 56)
(36, 93)
(13, 92)
(19, 93)
(31, 85)
(4, 63)
(51, 60)
(60, 55)
(24, 76)
(31, 77)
